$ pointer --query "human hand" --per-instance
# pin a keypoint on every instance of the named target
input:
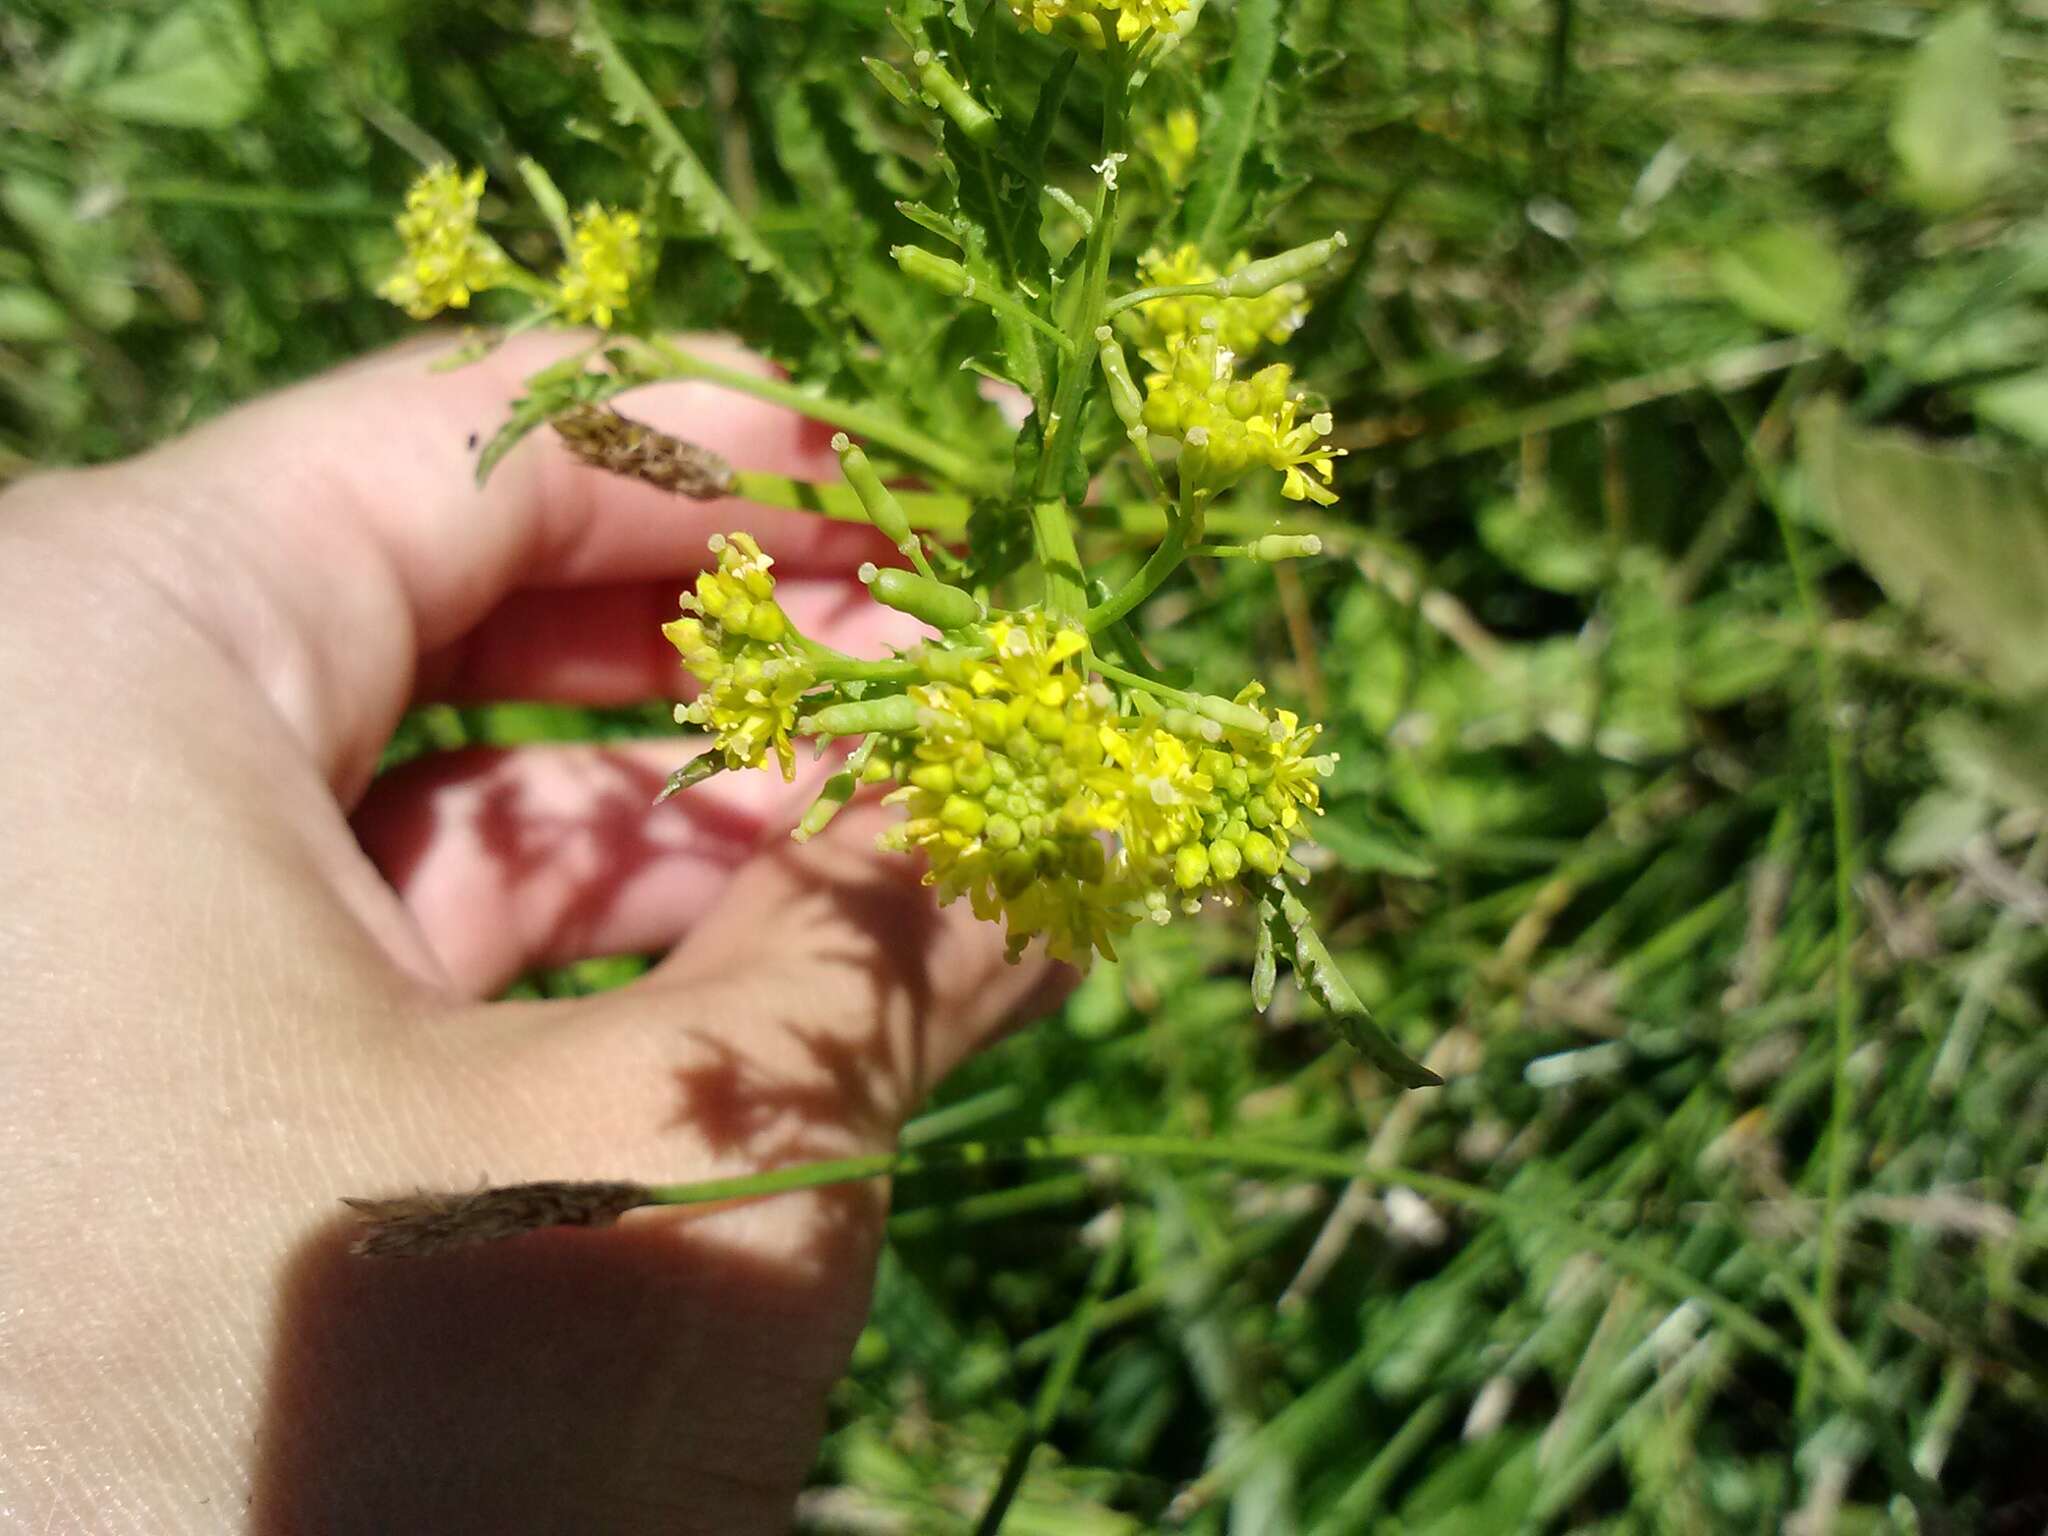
(226, 1005)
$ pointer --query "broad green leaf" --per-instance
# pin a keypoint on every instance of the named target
(198, 68)
(1959, 536)
(1948, 126)
(1788, 276)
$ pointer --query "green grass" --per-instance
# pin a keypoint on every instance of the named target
(1709, 876)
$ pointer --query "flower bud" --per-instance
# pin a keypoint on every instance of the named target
(1260, 277)
(1225, 860)
(893, 714)
(1261, 853)
(883, 509)
(939, 605)
(1190, 866)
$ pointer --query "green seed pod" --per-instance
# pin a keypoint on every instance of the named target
(934, 271)
(837, 791)
(1262, 277)
(952, 98)
(894, 714)
(1225, 712)
(1275, 547)
(883, 509)
(1123, 394)
(939, 605)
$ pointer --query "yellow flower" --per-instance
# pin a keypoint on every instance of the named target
(1240, 325)
(446, 257)
(1227, 424)
(1006, 790)
(734, 639)
(1172, 145)
(608, 258)
(1133, 19)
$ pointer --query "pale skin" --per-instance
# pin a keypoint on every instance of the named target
(240, 980)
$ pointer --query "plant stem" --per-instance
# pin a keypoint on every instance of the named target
(1137, 296)
(1052, 535)
(872, 424)
(1066, 590)
(1158, 566)
(1622, 1253)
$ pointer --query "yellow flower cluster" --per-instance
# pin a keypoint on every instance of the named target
(1029, 793)
(1005, 787)
(608, 257)
(447, 258)
(1241, 325)
(737, 643)
(1132, 19)
(1227, 425)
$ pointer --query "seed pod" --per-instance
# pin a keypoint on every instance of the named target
(1275, 547)
(883, 509)
(935, 271)
(893, 714)
(952, 98)
(939, 605)
(837, 791)
(1123, 394)
(1261, 277)
(1226, 712)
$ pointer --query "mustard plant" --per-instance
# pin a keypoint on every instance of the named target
(1046, 771)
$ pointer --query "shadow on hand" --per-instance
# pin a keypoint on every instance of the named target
(667, 1374)
(645, 1377)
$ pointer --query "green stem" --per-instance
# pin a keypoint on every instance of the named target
(1157, 567)
(874, 425)
(1137, 296)
(1066, 591)
(1052, 535)
(1624, 1254)
(1143, 684)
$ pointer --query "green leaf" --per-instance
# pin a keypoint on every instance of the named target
(1948, 126)
(2018, 404)
(1788, 276)
(1959, 536)
(29, 314)
(1230, 126)
(198, 68)
(677, 164)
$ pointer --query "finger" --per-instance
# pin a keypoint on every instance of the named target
(543, 856)
(329, 535)
(603, 645)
